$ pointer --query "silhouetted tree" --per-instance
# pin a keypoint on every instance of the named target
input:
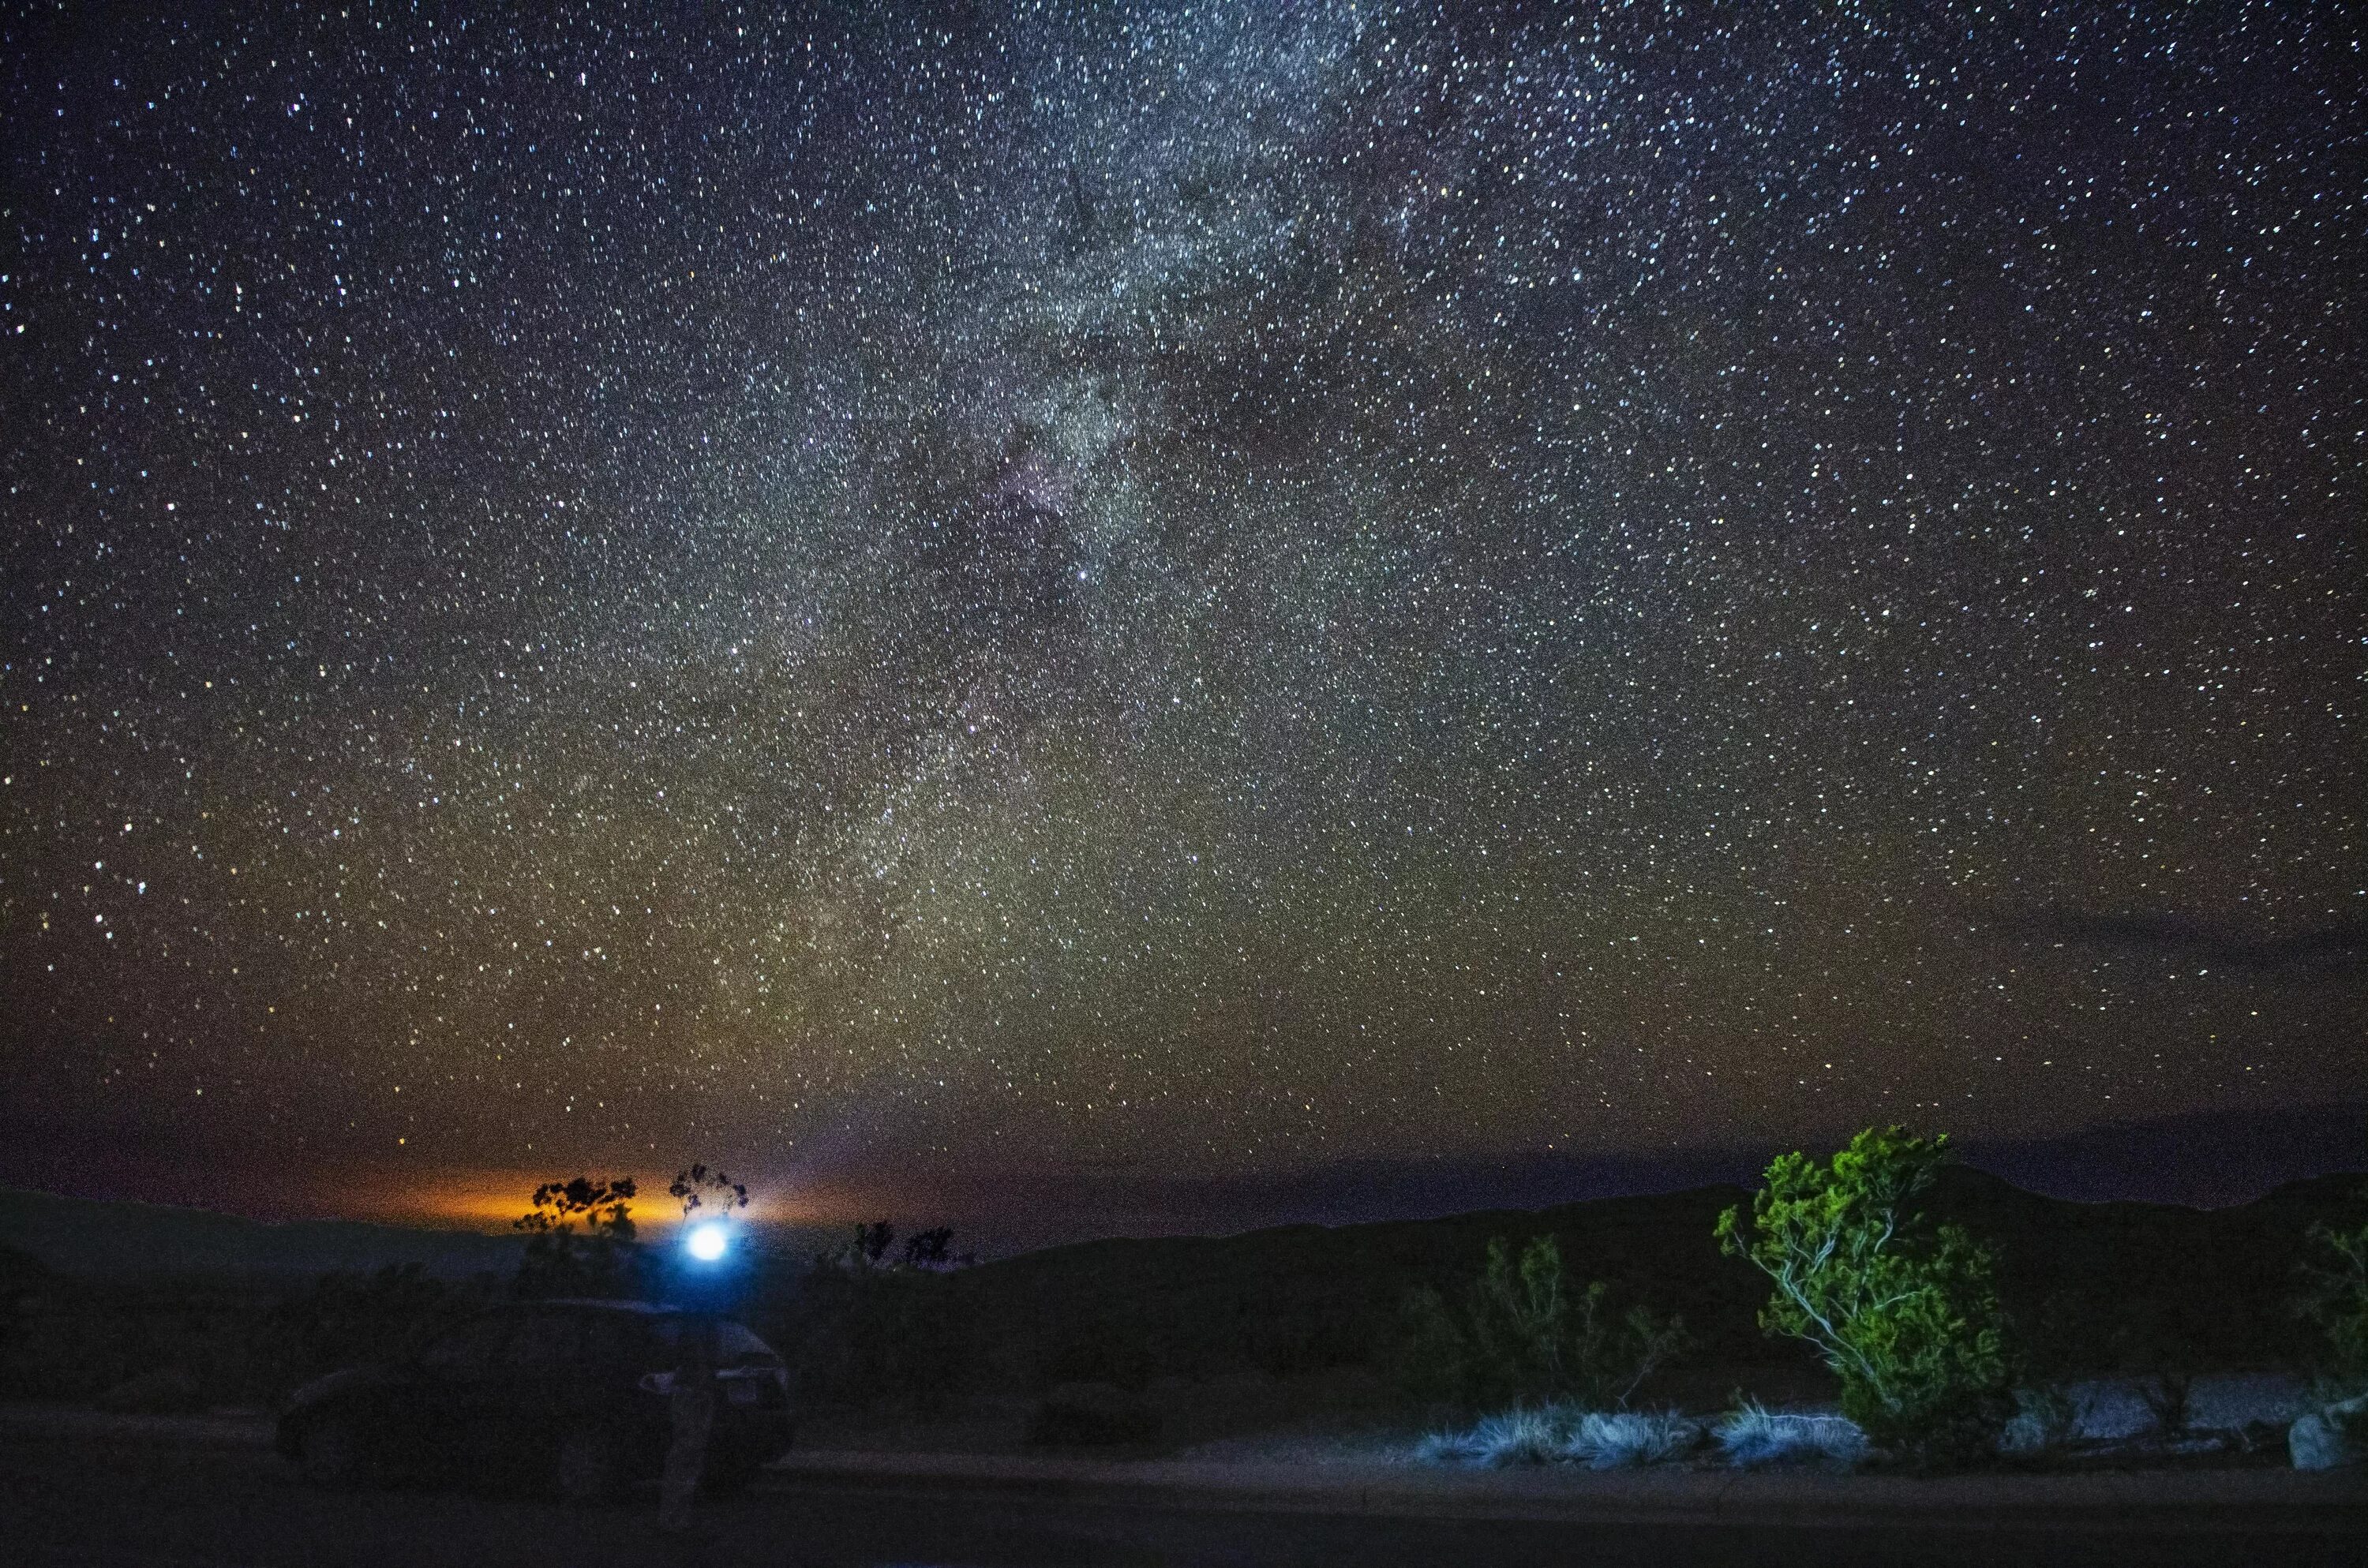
(580, 1240)
(872, 1242)
(930, 1249)
(700, 1187)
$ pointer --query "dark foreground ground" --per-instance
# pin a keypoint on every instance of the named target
(85, 1498)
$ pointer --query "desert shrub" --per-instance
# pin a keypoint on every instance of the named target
(1524, 1435)
(1751, 1436)
(1524, 1333)
(1905, 1313)
(1562, 1434)
(1613, 1439)
(2335, 1297)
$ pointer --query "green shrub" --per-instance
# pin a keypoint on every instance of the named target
(2336, 1297)
(1906, 1313)
(1523, 1334)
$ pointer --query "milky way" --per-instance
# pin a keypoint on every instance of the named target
(984, 595)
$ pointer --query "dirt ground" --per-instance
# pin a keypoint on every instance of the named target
(89, 1497)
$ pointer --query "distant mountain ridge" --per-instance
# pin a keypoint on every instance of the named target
(121, 1237)
(2088, 1285)
(2093, 1282)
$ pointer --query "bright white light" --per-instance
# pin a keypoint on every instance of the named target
(707, 1242)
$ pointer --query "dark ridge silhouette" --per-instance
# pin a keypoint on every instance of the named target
(89, 1236)
(2093, 1285)
(2227, 944)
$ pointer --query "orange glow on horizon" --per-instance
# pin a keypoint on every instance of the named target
(493, 1200)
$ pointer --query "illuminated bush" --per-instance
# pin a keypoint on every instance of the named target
(2336, 1298)
(1905, 1313)
(1754, 1435)
(1562, 1434)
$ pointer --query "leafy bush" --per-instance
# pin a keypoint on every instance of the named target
(1904, 1313)
(1524, 1334)
(2335, 1297)
(1752, 1435)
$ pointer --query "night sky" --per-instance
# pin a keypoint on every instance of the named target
(991, 610)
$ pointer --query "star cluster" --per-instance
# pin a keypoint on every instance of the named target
(1020, 591)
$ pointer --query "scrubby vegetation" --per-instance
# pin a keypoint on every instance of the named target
(2335, 1299)
(1751, 1436)
(1905, 1313)
(2335, 1295)
(1563, 1434)
(1525, 1334)
(866, 1324)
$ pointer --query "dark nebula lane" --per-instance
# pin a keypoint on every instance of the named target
(1011, 599)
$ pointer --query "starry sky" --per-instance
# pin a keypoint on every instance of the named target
(1003, 609)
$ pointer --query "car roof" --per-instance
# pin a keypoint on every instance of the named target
(596, 1303)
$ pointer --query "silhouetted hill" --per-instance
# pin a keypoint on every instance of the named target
(2093, 1285)
(84, 1237)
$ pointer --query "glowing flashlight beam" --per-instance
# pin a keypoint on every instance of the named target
(707, 1242)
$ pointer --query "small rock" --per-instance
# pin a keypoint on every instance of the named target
(2331, 1437)
(1092, 1415)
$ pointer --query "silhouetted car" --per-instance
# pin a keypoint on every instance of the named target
(568, 1395)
